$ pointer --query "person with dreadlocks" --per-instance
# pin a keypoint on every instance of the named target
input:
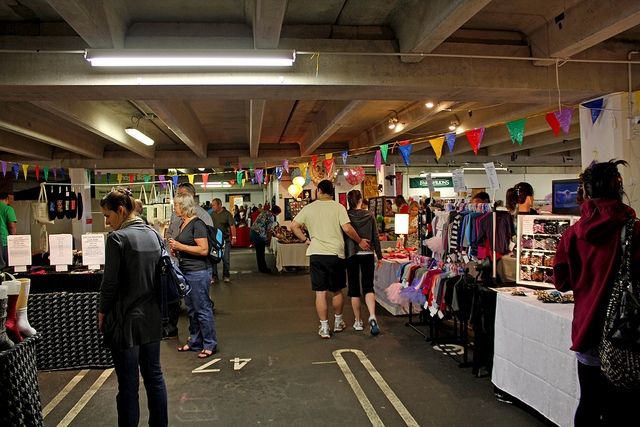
(586, 262)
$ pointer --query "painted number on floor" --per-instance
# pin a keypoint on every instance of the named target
(238, 363)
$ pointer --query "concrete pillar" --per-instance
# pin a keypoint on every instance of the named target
(81, 185)
(615, 135)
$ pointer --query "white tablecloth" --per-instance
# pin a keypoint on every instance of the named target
(532, 360)
(289, 254)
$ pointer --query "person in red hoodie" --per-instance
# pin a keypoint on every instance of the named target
(586, 262)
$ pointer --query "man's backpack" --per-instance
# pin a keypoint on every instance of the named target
(216, 244)
(171, 284)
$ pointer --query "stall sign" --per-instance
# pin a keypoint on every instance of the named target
(438, 182)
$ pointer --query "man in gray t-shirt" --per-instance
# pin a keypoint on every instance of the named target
(223, 220)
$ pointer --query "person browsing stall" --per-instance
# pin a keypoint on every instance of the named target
(326, 220)
(129, 312)
(191, 247)
(223, 220)
(261, 232)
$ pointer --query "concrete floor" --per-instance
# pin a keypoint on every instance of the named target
(292, 378)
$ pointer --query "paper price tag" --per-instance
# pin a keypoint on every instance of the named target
(458, 181)
(492, 175)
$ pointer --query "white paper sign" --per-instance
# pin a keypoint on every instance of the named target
(19, 249)
(93, 249)
(429, 179)
(527, 224)
(60, 249)
(490, 169)
(458, 181)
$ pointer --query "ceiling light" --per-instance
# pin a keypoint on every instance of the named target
(393, 121)
(429, 104)
(399, 127)
(189, 58)
(201, 169)
(135, 133)
(454, 125)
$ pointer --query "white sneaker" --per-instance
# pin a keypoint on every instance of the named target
(324, 332)
(339, 326)
(358, 325)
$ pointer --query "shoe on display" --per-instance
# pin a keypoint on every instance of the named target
(358, 325)
(13, 291)
(5, 342)
(324, 332)
(227, 280)
(375, 329)
(339, 326)
(21, 307)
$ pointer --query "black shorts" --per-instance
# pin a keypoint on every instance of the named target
(357, 265)
(327, 273)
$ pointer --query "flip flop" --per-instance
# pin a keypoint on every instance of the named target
(186, 347)
(205, 353)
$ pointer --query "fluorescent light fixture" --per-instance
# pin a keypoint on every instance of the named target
(216, 184)
(135, 133)
(189, 58)
(481, 169)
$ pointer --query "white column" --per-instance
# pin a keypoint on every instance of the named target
(81, 185)
(614, 135)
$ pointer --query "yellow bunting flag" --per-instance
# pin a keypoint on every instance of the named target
(437, 144)
(25, 168)
(119, 178)
(191, 177)
(328, 156)
(303, 169)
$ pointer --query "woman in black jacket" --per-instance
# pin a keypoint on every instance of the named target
(129, 315)
(362, 262)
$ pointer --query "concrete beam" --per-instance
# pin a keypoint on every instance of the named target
(267, 23)
(585, 25)
(51, 76)
(182, 121)
(102, 24)
(421, 26)
(327, 122)
(99, 120)
(24, 147)
(256, 114)
(535, 141)
(30, 122)
(560, 147)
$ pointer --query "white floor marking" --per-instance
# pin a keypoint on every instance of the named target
(384, 387)
(73, 413)
(202, 370)
(331, 362)
(63, 393)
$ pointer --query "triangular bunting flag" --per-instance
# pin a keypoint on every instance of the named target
(384, 149)
(303, 169)
(243, 181)
(516, 130)
(62, 173)
(239, 176)
(259, 173)
(163, 181)
(205, 180)
(405, 151)
(46, 172)
(328, 165)
(4, 168)
(146, 178)
(119, 178)
(37, 173)
(132, 178)
(437, 144)
(451, 140)
(596, 108)
(314, 160)
(345, 154)
(377, 160)
(25, 168)
(174, 180)
(285, 165)
(564, 117)
(553, 123)
(99, 177)
(16, 170)
(251, 166)
(108, 178)
(328, 156)
(474, 137)
(191, 177)
(55, 174)
(279, 172)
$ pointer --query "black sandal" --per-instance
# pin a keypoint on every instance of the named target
(206, 353)
(186, 347)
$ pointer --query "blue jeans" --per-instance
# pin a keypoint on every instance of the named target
(202, 325)
(226, 258)
(147, 358)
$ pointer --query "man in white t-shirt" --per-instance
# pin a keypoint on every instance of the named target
(326, 220)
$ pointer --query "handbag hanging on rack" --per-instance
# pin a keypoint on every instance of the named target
(620, 343)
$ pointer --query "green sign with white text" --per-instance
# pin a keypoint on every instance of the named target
(438, 182)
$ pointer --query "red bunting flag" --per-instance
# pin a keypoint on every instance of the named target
(474, 137)
(131, 178)
(205, 179)
(314, 160)
(37, 173)
(328, 165)
(553, 122)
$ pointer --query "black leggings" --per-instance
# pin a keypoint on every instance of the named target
(357, 264)
(601, 403)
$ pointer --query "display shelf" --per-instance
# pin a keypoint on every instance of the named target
(534, 266)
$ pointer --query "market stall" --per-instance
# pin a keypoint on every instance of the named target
(532, 360)
(289, 254)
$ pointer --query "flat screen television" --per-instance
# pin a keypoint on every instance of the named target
(564, 193)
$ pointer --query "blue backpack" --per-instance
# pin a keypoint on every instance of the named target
(216, 244)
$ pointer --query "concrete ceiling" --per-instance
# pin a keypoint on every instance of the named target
(56, 110)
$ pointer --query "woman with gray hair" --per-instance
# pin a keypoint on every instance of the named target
(191, 247)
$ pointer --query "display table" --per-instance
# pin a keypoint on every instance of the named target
(532, 361)
(242, 237)
(63, 308)
(385, 275)
(289, 254)
(19, 390)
